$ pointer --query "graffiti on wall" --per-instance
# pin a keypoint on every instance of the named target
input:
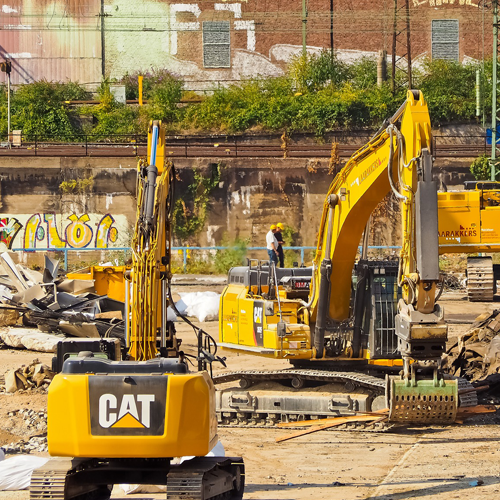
(51, 230)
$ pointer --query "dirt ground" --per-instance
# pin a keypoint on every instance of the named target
(438, 462)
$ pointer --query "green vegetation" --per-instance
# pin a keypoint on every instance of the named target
(77, 186)
(481, 168)
(190, 210)
(39, 109)
(317, 94)
(202, 263)
(233, 255)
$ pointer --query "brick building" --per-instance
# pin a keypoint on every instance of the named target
(206, 41)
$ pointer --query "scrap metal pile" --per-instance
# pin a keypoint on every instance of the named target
(476, 355)
(53, 304)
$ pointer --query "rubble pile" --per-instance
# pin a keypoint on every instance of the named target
(54, 305)
(36, 444)
(476, 354)
(454, 282)
(32, 420)
(33, 376)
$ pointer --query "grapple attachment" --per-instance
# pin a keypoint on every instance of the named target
(422, 401)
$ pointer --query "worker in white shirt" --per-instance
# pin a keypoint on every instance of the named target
(272, 245)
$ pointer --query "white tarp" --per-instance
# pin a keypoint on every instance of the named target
(15, 472)
(201, 305)
(217, 451)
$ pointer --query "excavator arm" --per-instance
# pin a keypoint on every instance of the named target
(151, 255)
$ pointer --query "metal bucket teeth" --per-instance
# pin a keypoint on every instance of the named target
(423, 403)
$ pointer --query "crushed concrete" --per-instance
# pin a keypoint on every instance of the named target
(35, 444)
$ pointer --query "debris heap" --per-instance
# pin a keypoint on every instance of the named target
(53, 304)
(34, 375)
(476, 354)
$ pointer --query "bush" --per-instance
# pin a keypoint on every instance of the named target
(233, 256)
(311, 73)
(110, 116)
(151, 79)
(318, 94)
(164, 96)
(481, 168)
(38, 109)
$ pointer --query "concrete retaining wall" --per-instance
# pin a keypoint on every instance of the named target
(35, 212)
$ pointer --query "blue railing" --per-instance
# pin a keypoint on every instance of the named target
(185, 251)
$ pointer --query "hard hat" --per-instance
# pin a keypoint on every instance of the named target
(280, 225)
(273, 226)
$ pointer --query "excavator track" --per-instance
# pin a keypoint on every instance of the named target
(297, 376)
(480, 279)
(53, 481)
(203, 478)
(365, 393)
(246, 408)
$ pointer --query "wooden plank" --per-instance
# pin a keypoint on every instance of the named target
(475, 410)
(339, 421)
(321, 421)
(474, 389)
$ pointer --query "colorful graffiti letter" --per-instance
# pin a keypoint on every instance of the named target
(106, 233)
(53, 239)
(33, 231)
(9, 227)
(78, 233)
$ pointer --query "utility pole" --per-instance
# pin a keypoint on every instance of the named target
(494, 94)
(331, 30)
(401, 43)
(6, 67)
(304, 28)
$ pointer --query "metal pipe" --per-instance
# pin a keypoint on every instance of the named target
(127, 313)
(478, 92)
(494, 91)
(277, 290)
(152, 174)
(366, 233)
(163, 342)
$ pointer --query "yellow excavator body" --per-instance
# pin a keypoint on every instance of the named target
(469, 221)
(269, 317)
(120, 415)
(125, 421)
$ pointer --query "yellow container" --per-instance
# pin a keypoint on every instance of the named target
(108, 280)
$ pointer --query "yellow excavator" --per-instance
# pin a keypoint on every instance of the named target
(469, 222)
(112, 421)
(305, 315)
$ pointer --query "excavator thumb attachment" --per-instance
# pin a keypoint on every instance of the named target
(422, 401)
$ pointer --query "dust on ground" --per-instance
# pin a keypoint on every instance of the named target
(438, 462)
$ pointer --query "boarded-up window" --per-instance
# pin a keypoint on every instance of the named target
(445, 39)
(216, 44)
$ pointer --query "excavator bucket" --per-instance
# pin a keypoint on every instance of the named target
(422, 401)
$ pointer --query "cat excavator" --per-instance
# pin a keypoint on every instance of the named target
(469, 222)
(113, 421)
(315, 319)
